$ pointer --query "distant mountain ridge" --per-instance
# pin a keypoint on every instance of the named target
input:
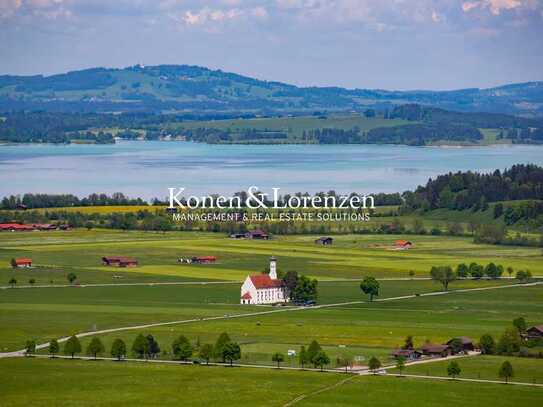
(185, 88)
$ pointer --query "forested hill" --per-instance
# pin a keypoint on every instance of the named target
(176, 88)
(471, 190)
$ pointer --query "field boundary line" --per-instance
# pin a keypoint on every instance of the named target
(319, 391)
(465, 379)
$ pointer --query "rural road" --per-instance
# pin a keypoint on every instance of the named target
(8, 287)
(272, 311)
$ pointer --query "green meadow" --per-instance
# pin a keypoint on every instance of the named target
(294, 126)
(526, 370)
(100, 383)
(359, 330)
(351, 257)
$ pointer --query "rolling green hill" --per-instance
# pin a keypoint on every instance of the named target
(184, 88)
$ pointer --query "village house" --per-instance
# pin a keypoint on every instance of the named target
(264, 288)
(22, 262)
(15, 227)
(325, 241)
(434, 350)
(119, 261)
(197, 260)
(408, 354)
(467, 343)
(403, 245)
(535, 332)
(257, 234)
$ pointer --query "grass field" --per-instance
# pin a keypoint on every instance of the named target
(294, 126)
(526, 370)
(352, 256)
(359, 330)
(90, 383)
(403, 392)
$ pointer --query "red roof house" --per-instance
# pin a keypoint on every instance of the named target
(23, 262)
(119, 261)
(403, 244)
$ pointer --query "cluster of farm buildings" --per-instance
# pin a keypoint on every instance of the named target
(29, 227)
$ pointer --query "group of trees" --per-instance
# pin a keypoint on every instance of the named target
(446, 274)
(300, 289)
(454, 370)
(314, 354)
(146, 347)
(71, 277)
(31, 201)
(511, 341)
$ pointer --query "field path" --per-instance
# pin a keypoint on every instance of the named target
(272, 311)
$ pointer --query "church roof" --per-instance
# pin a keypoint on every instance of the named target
(264, 281)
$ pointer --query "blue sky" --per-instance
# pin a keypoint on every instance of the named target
(391, 44)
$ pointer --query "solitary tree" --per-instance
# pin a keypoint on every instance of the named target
(206, 352)
(72, 346)
(53, 347)
(374, 364)
(408, 344)
(400, 364)
(370, 286)
(95, 347)
(140, 347)
(509, 342)
(181, 348)
(487, 344)
(462, 270)
(346, 362)
(278, 358)
(453, 370)
(231, 351)
(32, 281)
(510, 271)
(30, 347)
(71, 277)
(154, 348)
(302, 357)
(118, 349)
(12, 282)
(321, 359)
(444, 275)
(523, 276)
(520, 324)
(222, 340)
(506, 371)
(312, 350)
(13, 263)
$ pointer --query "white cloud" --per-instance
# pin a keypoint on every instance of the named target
(494, 6)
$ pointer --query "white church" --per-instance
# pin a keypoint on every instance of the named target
(264, 288)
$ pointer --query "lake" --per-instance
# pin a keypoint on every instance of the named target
(147, 168)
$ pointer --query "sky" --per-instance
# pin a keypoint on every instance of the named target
(386, 44)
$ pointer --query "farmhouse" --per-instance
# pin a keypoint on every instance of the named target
(257, 234)
(263, 288)
(22, 262)
(535, 332)
(15, 227)
(434, 350)
(408, 354)
(119, 261)
(467, 343)
(325, 241)
(197, 260)
(403, 244)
